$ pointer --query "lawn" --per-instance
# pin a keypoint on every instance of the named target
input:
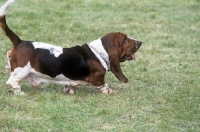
(163, 92)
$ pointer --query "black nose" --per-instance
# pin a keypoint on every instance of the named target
(139, 43)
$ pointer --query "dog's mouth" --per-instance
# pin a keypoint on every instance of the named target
(128, 57)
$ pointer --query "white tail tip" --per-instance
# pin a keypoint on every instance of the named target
(4, 8)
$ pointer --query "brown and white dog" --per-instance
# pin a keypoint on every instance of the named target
(39, 62)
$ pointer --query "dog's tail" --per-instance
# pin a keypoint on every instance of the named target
(9, 33)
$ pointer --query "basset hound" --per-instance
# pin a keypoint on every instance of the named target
(39, 62)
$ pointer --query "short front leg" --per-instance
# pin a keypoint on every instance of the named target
(105, 89)
(68, 90)
(97, 78)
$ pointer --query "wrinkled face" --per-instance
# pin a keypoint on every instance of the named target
(128, 48)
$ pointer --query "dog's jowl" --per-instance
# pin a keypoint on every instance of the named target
(39, 62)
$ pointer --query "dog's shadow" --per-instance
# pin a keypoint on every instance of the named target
(58, 89)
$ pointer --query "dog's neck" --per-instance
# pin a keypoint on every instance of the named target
(98, 49)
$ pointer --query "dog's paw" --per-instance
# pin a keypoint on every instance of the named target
(105, 89)
(16, 92)
(108, 91)
(68, 90)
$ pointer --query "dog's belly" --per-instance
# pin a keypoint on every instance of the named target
(35, 78)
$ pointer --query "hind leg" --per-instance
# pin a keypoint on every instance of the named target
(8, 67)
(15, 84)
(16, 76)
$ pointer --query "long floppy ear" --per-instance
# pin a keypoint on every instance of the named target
(112, 43)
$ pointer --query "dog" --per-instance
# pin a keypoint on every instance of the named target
(39, 62)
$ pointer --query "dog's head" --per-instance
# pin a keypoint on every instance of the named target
(120, 48)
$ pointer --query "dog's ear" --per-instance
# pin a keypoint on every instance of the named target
(113, 43)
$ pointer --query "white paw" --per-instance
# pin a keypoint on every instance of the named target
(105, 89)
(18, 92)
(108, 91)
(68, 90)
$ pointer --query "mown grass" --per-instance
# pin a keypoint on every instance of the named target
(163, 89)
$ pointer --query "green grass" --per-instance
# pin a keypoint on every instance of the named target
(163, 90)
